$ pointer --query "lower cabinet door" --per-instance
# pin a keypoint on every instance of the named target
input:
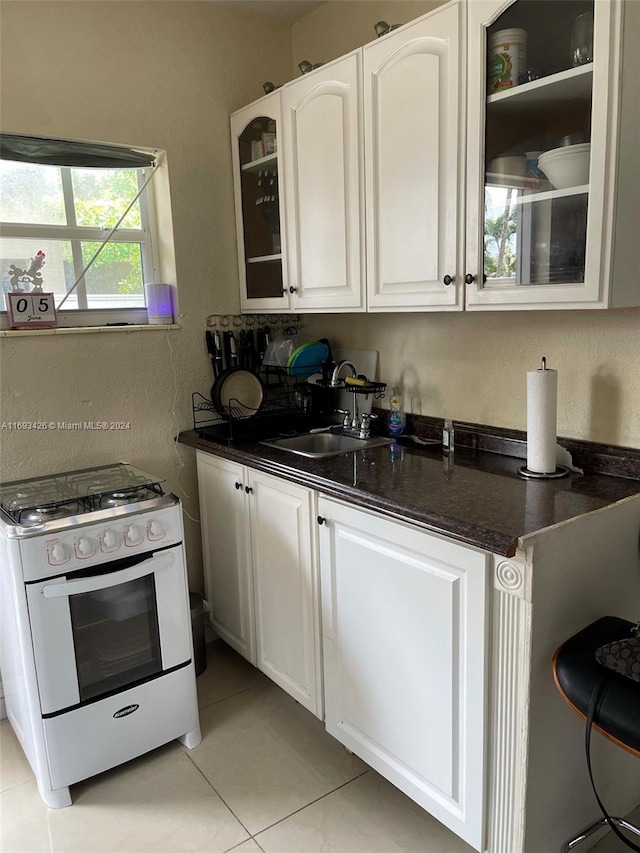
(404, 640)
(225, 551)
(285, 572)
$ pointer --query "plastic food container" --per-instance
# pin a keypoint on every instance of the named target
(280, 350)
(507, 59)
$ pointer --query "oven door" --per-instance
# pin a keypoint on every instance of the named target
(97, 634)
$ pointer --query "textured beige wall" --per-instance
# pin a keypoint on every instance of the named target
(343, 25)
(472, 366)
(162, 74)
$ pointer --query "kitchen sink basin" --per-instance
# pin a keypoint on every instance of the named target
(321, 444)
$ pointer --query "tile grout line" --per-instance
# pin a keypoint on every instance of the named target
(313, 802)
(231, 696)
(275, 823)
(217, 793)
(17, 785)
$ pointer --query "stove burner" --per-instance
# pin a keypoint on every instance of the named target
(46, 513)
(57, 496)
(123, 498)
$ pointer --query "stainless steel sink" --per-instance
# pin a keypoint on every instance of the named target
(321, 444)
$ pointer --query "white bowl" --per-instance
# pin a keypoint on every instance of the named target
(568, 166)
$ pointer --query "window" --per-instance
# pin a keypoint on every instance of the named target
(65, 199)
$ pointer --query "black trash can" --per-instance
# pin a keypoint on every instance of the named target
(197, 629)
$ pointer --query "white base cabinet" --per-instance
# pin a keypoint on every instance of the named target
(437, 655)
(228, 579)
(261, 575)
(404, 638)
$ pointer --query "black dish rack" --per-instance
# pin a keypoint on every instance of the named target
(279, 414)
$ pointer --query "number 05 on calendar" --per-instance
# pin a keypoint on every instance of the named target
(31, 310)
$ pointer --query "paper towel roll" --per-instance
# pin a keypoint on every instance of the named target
(542, 396)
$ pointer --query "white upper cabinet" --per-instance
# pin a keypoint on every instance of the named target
(556, 239)
(323, 188)
(459, 211)
(259, 207)
(414, 109)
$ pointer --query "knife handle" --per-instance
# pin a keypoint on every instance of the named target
(233, 350)
(226, 351)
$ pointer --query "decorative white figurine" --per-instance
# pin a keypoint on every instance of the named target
(31, 277)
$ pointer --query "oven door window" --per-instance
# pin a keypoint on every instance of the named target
(116, 636)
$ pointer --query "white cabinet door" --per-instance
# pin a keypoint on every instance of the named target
(414, 122)
(261, 572)
(404, 640)
(224, 520)
(323, 156)
(287, 607)
(259, 205)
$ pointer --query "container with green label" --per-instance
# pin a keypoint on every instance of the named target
(507, 58)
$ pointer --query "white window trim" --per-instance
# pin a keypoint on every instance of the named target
(156, 230)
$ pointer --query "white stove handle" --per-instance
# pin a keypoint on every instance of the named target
(66, 588)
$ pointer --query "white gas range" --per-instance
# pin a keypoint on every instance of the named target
(97, 653)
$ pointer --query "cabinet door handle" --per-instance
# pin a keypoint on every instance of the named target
(321, 519)
(238, 485)
(469, 279)
(248, 489)
(293, 289)
(448, 279)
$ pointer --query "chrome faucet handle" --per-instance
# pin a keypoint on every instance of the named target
(346, 422)
(365, 424)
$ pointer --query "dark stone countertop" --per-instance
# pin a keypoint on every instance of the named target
(482, 502)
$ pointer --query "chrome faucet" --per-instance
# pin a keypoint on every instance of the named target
(335, 383)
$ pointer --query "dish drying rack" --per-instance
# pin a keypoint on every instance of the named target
(278, 414)
(239, 422)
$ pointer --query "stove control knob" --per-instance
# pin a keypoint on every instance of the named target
(132, 535)
(84, 547)
(109, 541)
(155, 530)
(57, 554)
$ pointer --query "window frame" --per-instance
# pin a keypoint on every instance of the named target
(148, 237)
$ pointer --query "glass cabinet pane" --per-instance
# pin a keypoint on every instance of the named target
(539, 91)
(116, 637)
(261, 208)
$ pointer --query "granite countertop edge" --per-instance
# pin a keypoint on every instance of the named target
(478, 533)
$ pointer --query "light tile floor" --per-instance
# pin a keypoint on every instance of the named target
(266, 777)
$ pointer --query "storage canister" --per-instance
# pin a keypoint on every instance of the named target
(507, 58)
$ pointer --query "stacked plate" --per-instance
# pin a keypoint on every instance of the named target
(307, 359)
(237, 393)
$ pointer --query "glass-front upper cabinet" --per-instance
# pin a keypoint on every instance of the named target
(254, 132)
(539, 150)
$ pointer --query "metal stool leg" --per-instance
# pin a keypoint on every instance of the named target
(590, 830)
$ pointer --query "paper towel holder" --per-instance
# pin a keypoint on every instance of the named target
(561, 470)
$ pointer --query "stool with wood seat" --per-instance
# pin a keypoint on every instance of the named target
(616, 714)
